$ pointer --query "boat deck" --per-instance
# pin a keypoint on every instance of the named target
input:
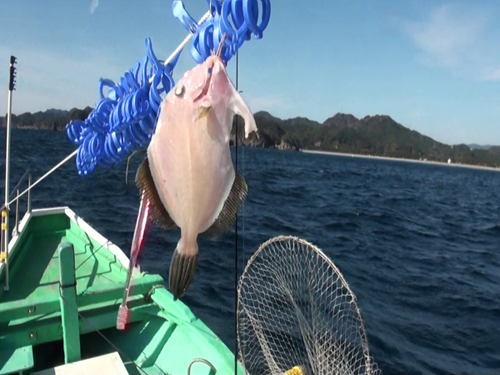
(95, 267)
(164, 336)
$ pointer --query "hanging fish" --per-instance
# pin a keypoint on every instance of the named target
(188, 174)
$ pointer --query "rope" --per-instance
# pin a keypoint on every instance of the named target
(108, 340)
(127, 358)
(66, 159)
(69, 157)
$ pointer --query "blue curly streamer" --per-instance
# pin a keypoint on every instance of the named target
(124, 120)
(238, 19)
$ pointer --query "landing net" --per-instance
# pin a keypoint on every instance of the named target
(297, 314)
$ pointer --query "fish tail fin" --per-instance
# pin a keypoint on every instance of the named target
(182, 270)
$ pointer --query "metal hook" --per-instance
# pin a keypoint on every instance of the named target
(202, 361)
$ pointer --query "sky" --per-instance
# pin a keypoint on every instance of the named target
(433, 66)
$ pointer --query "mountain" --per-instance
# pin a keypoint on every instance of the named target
(377, 135)
(474, 146)
(51, 119)
(340, 120)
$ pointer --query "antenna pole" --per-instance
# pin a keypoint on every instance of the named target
(4, 257)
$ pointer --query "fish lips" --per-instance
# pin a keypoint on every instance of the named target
(215, 66)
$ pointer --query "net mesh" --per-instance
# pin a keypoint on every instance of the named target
(296, 311)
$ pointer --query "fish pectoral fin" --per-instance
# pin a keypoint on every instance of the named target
(182, 272)
(227, 216)
(240, 108)
(203, 112)
(157, 213)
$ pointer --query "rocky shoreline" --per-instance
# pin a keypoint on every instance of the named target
(377, 135)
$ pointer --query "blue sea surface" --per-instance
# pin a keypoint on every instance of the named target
(417, 243)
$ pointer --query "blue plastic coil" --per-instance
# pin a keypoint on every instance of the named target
(124, 120)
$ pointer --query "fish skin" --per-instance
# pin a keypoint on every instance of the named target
(190, 159)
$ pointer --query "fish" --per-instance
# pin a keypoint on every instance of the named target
(187, 174)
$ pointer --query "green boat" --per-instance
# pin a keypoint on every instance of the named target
(59, 314)
(72, 302)
(66, 306)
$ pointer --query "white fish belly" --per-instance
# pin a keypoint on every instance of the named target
(192, 169)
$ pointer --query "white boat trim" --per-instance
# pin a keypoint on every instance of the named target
(101, 240)
(109, 364)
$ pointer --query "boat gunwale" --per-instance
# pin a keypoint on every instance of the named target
(176, 313)
(73, 217)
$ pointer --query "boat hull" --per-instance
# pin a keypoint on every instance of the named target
(47, 321)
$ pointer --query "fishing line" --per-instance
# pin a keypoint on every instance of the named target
(19, 183)
(236, 245)
(88, 323)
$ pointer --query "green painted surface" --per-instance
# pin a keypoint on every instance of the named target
(15, 360)
(163, 338)
(68, 303)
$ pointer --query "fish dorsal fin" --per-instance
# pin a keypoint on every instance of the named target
(129, 159)
(227, 216)
(157, 213)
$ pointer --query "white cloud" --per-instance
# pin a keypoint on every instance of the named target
(93, 6)
(492, 74)
(265, 103)
(463, 39)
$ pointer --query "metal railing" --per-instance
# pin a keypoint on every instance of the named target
(4, 233)
(27, 174)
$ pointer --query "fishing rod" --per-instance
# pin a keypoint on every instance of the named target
(4, 252)
(174, 54)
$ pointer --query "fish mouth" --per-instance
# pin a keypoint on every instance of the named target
(214, 61)
(214, 66)
(208, 80)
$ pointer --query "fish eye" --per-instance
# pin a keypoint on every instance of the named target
(179, 90)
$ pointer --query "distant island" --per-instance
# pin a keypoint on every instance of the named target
(377, 135)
